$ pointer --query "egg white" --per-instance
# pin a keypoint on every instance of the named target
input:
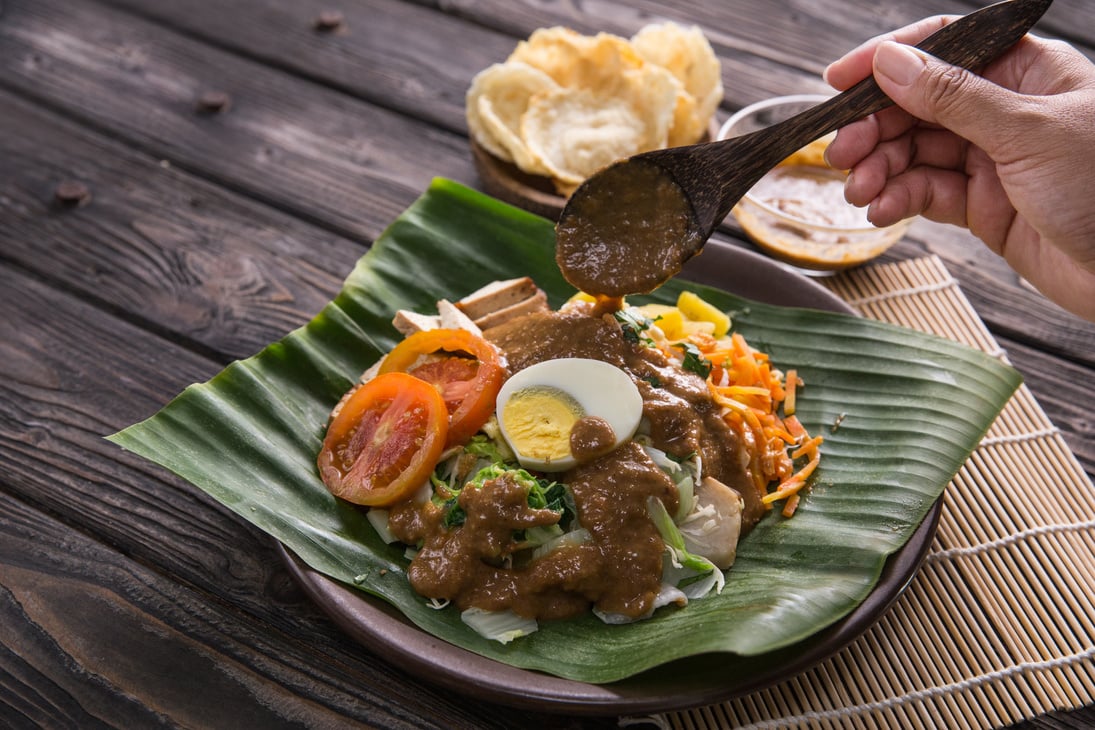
(598, 388)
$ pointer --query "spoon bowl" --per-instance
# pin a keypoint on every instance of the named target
(630, 227)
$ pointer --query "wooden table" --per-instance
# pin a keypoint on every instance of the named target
(184, 182)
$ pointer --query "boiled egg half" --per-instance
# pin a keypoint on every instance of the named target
(539, 406)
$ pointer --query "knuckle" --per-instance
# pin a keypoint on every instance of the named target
(945, 89)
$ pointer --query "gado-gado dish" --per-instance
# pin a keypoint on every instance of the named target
(538, 464)
(564, 105)
(900, 412)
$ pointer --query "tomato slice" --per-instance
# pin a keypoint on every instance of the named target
(453, 377)
(469, 380)
(385, 441)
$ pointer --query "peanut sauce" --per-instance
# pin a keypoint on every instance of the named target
(591, 437)
(628, 232)
(619, 569)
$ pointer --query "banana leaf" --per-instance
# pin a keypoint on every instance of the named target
(914, 407)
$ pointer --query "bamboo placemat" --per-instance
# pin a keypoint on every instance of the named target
(999, 625)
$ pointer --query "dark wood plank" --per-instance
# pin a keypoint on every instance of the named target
(1064, 391)
(386, 52)
(1081, 719)
(311, 150)
(178, 254)
(218, 596)
(810, 34)
(1072, 20)
(69, 379)
(378, 32)
(89, 636)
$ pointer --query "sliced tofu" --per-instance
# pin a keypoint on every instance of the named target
(496, 296)
(448, 316)
(536, 303)
(452, 317)
(408, 322)
(714, 525)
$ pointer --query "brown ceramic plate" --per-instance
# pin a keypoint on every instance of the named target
(689, 682)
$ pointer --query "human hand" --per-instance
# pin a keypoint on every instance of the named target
(1008, 154)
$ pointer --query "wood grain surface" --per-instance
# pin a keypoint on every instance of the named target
(127, 597)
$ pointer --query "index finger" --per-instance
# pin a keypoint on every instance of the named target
(856, 65)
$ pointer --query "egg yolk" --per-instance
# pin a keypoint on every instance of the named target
(539, 420)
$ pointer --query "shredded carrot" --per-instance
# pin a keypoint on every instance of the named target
(748, 390)
(790, 505)
(789, 401)
(785, 435)
(807, 449)
(795, 427)
(759, 402)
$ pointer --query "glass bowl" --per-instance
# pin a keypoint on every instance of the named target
(797, 212)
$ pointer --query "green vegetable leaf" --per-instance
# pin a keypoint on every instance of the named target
(914, 407)
(489, 473)
(634, 324)
(455, 515)
(481, 445)
(694, 361)
(673, 538)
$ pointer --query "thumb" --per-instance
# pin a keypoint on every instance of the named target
(952, 97)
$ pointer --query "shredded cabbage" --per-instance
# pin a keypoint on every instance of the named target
(574, 537)
(537, 537)
(680, 558)
(378, 518)
(669, 593)
(502, 626)
(685, 473)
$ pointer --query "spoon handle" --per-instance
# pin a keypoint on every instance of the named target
(713, 176)
(969, 42)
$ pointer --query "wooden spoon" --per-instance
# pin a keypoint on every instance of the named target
(630, 227)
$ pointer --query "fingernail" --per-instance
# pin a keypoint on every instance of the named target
(825, 151)
(900, 63)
